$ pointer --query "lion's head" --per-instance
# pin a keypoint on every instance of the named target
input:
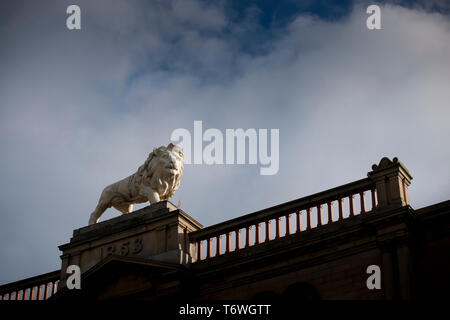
(163, 169)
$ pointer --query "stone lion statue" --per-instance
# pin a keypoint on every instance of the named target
(157, 179)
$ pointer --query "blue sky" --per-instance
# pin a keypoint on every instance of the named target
(82, 109)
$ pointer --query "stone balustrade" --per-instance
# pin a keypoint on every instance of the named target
(40, 287)
(387, 184)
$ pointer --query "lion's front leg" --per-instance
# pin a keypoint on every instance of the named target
(150, 194)
(101, 207)
(130, 208)
(153, 197)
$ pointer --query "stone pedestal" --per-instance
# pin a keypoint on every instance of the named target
(158, 232)
(392, 180)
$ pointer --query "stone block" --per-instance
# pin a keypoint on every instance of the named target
(158, 232)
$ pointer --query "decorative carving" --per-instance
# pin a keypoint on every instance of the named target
(124, 248)
(384, 163)
(157, 179)
(137, 246)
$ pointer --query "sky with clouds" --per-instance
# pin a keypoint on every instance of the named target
(82, 109)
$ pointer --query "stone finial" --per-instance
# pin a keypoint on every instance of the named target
(392, 179)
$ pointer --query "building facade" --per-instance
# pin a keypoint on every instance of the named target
(331, 245)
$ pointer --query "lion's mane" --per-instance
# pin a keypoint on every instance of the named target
(153, 173)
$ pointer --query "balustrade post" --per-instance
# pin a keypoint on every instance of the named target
(199, 251)
(288, 224)
(373, 194)
(267, 231)
(391, 180)
(330, 212)
(218, 245)
(277, 228)
(362, 202)
(299, 221)
(319, 215)
(247, 236)
(55, 286)
(47, 291)
(258, 233)
(33, 291)
(308, 219)
(39, 292)
(208, 248)
(238, 239)
(351, 204)
(341, 208)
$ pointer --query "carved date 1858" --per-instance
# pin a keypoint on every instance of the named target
(134, 247)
